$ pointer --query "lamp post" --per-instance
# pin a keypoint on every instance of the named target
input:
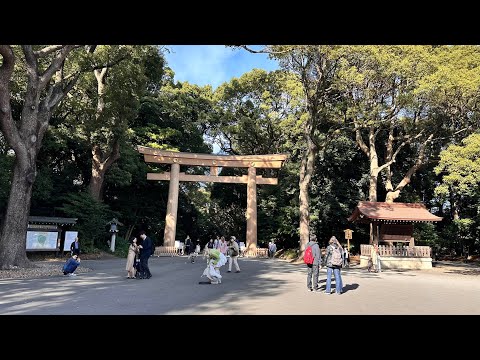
(114, 223)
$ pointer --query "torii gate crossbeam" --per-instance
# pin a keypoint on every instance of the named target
(252, 162)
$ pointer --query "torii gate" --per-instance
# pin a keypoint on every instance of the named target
(252, 162)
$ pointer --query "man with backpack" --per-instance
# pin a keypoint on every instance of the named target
(334, 261)
(233, 251)
(312, 258)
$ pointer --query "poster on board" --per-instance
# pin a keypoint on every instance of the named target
(69, 238)
(42, 240)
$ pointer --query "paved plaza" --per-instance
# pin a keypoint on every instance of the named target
(264, 286)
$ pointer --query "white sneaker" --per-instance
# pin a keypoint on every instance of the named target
(72, 274)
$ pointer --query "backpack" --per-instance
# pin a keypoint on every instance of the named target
(234, 250)
(336, 256)
(308, 257)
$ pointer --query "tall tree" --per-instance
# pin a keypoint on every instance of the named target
(316, 69)
(393, 98)
(122, 74)
(49, 77)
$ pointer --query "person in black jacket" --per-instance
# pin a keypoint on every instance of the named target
(145, 252)
(75, 247)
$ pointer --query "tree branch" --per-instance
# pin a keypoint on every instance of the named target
(421, 155)
(109, 64)
(264, 50)
(55, 65)
(359, 139)
(47, 50)
(7, 125)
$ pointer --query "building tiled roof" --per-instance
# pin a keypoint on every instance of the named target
(405, 212)
(51, 220)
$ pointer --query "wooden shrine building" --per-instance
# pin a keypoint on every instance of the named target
(214, 162)
(391, 227)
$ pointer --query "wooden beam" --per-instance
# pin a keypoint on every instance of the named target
(209, 178)
(273, 164)
(196, 156)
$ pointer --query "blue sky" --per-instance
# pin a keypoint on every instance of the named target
(213, 64)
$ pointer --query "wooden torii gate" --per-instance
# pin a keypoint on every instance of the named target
(252, 162)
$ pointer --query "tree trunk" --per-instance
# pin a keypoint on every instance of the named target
(374, 170)
(101, 162)
(371, 152)
(100, 166)
(306, 172)
(13, 253)
(98, 175)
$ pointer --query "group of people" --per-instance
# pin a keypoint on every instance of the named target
(139, 251)
(333, 260)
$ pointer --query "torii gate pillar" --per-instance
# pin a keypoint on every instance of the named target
(251, 210)
(172, 206)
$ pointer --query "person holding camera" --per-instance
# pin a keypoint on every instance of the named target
(71, 265)
(233, 251)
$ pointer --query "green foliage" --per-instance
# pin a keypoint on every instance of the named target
(460, 165)
(121, 247)
(426, 234)
(92, 218)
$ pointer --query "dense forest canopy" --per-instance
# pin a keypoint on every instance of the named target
(378, 123)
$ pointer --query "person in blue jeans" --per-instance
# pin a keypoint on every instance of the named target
(71, 265)
(334, 261)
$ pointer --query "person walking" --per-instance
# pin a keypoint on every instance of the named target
(75, 247)
(375, 254)
(188, 245)
(223, 247)
(313, 268)
(145, 252)
(273, 249)
(346, 257)
(233, 251)
(334, 261)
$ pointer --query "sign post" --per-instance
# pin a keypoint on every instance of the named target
(348, 237)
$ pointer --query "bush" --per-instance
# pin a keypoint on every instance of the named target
(92, 218)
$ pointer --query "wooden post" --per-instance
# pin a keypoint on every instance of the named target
(172, 207)
(251, 211)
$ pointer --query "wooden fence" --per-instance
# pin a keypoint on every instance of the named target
(172, 251)
(397, 251)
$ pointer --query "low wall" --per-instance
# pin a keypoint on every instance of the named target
(400, 262)
(173, 251)
(165, 251)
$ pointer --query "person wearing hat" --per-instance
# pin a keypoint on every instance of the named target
(233, 251)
